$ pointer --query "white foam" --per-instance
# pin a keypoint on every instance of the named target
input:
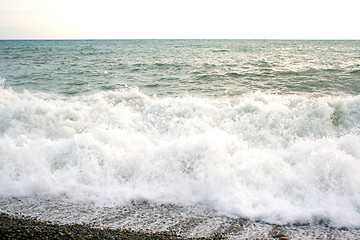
(279, 159)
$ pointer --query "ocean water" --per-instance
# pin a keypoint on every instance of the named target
(263, 131)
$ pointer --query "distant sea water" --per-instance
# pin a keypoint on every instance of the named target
(263, 130)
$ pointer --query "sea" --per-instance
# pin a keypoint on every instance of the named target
(244, 138)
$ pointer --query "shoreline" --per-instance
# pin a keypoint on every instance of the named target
(37, 218)
(22, 227)
(25, 227)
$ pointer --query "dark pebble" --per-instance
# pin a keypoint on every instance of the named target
(28, 228)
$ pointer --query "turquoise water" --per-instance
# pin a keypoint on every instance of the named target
(261, 130)
(178, 67)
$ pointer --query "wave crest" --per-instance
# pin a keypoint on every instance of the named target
(280, 159)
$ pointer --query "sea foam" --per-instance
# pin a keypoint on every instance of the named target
(279, 159)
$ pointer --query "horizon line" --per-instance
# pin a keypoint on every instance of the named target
(278, 39)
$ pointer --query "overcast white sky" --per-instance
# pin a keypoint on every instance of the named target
(242, 19)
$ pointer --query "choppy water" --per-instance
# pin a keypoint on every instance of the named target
(176, 67)
(259, 130)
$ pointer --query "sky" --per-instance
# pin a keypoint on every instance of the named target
(179, 19)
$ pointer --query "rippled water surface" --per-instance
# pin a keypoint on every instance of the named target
(173, 67)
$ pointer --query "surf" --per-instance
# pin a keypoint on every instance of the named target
(275, 158)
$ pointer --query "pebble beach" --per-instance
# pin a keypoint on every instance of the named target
(29, 228)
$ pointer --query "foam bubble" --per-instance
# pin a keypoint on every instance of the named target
(280, 159)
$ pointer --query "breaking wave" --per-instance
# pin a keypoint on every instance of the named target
(279, 159)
